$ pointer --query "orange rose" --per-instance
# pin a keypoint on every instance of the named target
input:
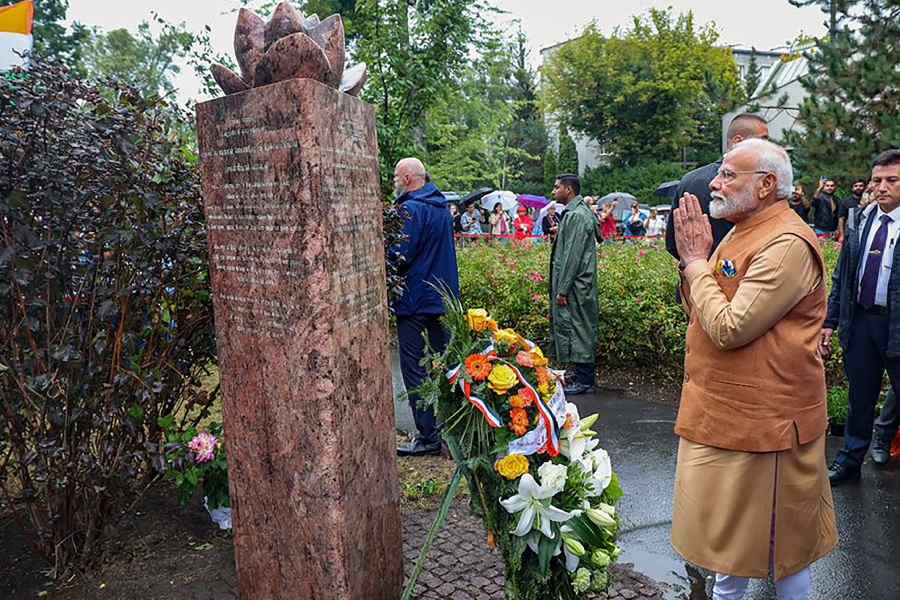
(478, 367)
(538, 358)
(543, 375)
(528, 396)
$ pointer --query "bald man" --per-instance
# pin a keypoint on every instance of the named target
(745, 126)
(427, 259)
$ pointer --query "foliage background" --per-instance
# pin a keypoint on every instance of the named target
(105, 313)
(653, 92)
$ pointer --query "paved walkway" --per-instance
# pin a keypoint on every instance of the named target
(639, 437)
(461, 567)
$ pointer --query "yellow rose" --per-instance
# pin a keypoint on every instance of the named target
(544, 389)
(477, 318)
(502, 379)
(512, 466)
(507, 336)
(491, 324)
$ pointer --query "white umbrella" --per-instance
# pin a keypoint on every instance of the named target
(559, 210)
(507, 199)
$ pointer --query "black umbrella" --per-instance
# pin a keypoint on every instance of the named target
(476, 196)
(667, 189)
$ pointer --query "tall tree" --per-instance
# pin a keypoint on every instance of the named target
(52, 38)
(471, 131)
(567, 161)
(144, 60)
(153, 55)
(551, 168)
(528, 131)
(853, 108)
(647, 93)
(416, 57)
(837, 10)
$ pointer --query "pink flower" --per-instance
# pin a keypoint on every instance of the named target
(536, 277)
(537, 297)
(642, 253)
(525, 359)
(203, 446)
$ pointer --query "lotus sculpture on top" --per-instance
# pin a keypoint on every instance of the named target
(289, 46)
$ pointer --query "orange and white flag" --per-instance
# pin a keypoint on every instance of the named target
(16, 21)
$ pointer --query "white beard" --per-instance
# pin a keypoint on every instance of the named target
(722, 207)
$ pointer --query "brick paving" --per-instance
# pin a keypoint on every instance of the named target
(460, 565)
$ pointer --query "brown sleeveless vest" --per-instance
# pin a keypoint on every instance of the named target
(754, 398)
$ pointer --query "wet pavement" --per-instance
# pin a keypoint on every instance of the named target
(638, 435)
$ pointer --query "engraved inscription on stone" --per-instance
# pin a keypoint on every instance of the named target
(258, 207)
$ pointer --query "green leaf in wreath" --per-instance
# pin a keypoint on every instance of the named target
(547, 548)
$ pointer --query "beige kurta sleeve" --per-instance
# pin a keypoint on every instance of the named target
(781, 274)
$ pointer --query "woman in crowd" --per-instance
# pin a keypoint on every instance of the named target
(523, 223)
(636, 222)
(550, 223)
(499, 221)
(656, 226)
(800, 203)
(608, 227)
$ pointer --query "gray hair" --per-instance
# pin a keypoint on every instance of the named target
(772, 158)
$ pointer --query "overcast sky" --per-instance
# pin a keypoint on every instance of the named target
(764, 24)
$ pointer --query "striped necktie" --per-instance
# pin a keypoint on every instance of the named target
(869, 283)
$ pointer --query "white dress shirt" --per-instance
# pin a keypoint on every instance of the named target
(887, 257)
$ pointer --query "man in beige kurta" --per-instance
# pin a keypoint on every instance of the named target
(751, 489)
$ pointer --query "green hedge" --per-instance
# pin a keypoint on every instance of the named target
(640, 324)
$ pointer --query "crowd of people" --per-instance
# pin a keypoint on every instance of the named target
(753, 492)
(474, 220)
(825, 212)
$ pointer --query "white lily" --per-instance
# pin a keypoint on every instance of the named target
(576, 440)
(601, 471)
(534, 503)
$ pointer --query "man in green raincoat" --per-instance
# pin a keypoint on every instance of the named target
(573, 285)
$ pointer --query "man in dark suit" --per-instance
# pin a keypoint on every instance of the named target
(864, 307)
(742, 127)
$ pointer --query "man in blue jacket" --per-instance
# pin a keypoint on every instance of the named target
(428, 259)
(864, 307)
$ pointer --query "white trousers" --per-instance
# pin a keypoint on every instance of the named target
(794, 587)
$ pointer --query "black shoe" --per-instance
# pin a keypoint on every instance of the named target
(838, 473)
(577, 389)
(419, 448)
(881, 452)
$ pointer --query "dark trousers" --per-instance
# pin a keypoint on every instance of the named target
(865, 361)
(410, 331)
(584, 373)
(888, 419)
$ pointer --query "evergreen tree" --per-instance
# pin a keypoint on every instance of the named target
(852, 110)
(751, 80)
(568, 155)
(528, 131)
(551, 168)
(836, 10)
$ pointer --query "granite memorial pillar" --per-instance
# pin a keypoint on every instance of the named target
(291, 190)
